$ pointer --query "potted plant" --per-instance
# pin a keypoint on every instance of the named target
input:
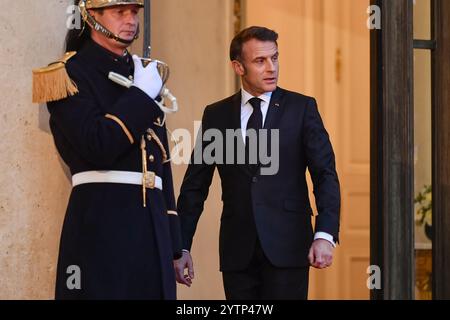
(424, 210)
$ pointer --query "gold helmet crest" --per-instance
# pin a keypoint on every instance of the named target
(98, 4)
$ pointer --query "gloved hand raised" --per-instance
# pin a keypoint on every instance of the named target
(147, 79)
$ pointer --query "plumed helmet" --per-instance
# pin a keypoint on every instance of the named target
(99, 4)
(86, 5)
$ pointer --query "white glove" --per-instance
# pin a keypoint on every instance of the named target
(147, 79)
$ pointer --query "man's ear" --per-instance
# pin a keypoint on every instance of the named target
(93, 13)
(238, 68)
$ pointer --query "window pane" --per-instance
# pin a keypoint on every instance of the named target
(422, 19)
(422, 171)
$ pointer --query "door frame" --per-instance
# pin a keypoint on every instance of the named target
(392, 148)
(441, 148)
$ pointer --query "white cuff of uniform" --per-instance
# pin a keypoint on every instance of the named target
(325, 236)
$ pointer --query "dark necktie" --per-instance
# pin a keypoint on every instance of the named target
(255, 122)
(256, 118)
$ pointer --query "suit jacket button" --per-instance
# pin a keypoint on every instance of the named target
(151, 158)
(255, 179)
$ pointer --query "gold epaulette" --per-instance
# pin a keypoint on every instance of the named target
(52, 83)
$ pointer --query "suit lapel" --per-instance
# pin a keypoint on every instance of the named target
(275, 110)
(236, 125)
(236, 113)
(273, 113)
(273, 117)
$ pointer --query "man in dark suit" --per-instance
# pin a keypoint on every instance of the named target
(267, 241)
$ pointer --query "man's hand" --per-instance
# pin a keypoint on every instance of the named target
(185, 262)
(147, 78)
(321, 254)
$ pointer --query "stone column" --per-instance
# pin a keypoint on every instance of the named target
(33, 182)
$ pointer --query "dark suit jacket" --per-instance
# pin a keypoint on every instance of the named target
(274, 208)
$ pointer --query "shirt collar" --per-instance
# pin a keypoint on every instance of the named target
(105, 60)
(122, 58)
(247, 96)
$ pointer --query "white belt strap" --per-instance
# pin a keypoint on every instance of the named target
(126, 177)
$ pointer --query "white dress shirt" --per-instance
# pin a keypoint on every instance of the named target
(247, 109)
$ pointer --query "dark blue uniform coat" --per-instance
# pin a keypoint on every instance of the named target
(123, 250)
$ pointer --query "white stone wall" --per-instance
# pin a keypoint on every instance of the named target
(33, 185)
